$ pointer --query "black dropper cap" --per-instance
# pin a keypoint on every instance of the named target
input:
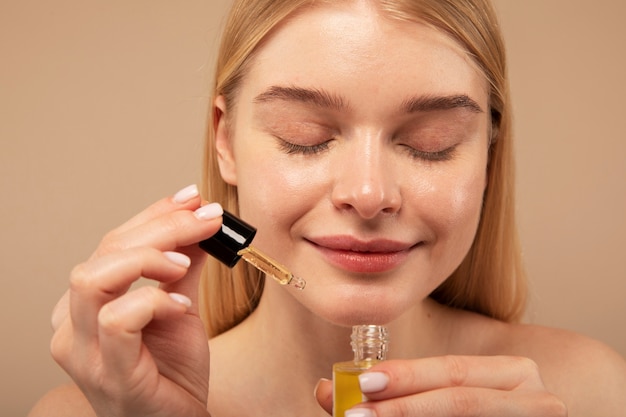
(234, 235)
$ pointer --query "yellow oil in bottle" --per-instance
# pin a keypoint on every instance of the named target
(369, 344)
(346, 390)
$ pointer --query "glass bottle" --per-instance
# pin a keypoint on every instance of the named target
(369, 344)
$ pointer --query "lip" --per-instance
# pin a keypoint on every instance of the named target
(362, 256)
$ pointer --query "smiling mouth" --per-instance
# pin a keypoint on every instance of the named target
(363, 257)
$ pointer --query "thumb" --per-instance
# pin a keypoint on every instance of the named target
(324, 394)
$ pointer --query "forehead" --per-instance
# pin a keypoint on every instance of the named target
(355, 45)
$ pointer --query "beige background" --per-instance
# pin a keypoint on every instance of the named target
(102, 111)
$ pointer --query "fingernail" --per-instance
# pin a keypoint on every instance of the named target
(318, 384)
(210, 211)
(186, 194)
(373, 381)
(178, 258)
(359, 412)
(181, 299)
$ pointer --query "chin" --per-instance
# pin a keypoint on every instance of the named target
(363, 309)
(354, 318)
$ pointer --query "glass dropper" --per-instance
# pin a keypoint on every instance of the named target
(232, 242)
(271, 267)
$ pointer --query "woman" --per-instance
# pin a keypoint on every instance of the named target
(369, 142)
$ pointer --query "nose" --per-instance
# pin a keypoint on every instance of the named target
(366, 182)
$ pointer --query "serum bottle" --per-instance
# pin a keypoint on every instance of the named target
(369, 344)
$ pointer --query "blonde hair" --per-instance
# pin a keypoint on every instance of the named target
(490, 280)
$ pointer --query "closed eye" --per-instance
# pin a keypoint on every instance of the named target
(293, 148)
(434, 156)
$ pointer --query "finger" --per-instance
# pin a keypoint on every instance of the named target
(120, 325)
(167, 232)
(97, 282)
(61, 345)
(187, 198)
(189, 285)
(465, 401)
(324, 394)
(398, 378)
(60, 311)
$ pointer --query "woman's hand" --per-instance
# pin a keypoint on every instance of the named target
(499, 386)
(142, 352)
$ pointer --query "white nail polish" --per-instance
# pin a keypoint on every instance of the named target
(210, 211)
(373, 382)
(359, 412)
(186, 194)
(178, 258)
(181, 299)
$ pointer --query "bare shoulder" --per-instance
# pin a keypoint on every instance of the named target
(587, 374)
(63, 401)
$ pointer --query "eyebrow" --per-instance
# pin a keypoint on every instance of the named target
(324, 99)
(316, 97)
(434, 103)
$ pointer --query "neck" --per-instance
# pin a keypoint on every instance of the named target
(288, 331)
(283, 349)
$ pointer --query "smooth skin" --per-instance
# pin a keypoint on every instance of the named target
(336, 148)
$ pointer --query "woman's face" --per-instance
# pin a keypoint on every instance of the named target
(359, 146)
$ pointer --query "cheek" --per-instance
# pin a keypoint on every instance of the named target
(455, 206)
(282, 186)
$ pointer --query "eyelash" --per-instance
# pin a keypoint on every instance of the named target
(438, 156)
(292, 148)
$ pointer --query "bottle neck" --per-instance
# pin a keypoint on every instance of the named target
(369, 343)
